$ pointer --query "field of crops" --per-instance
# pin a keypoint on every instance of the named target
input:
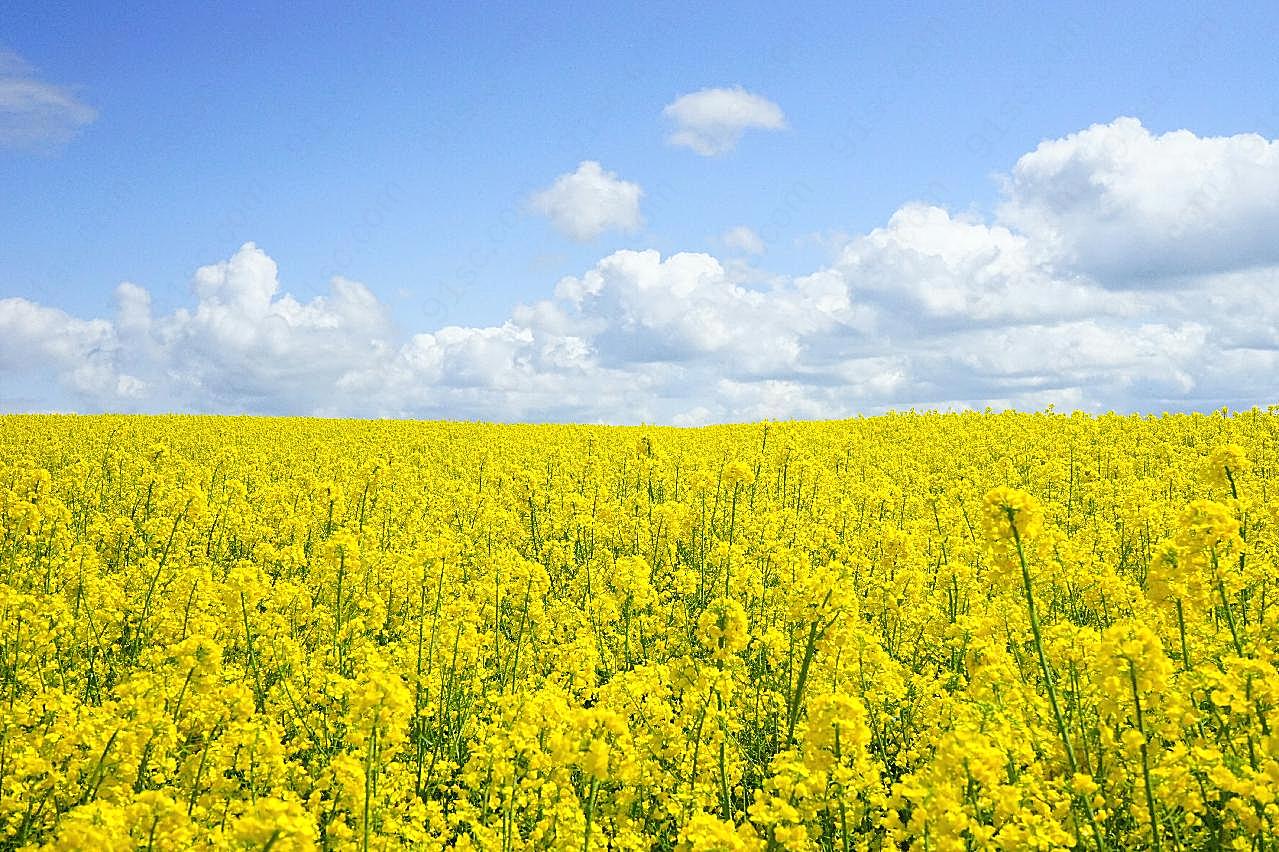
(940, 632)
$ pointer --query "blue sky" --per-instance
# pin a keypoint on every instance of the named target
(401, 149)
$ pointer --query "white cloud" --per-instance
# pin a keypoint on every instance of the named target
(247, 345)
(744, 240)
(585, 203)
(928, 266)
(35, 114)
(1086, 353)
(711, 121)
(932, 309)
(1133, 208)
(1242, 304)
(79, 354)
(641, 309)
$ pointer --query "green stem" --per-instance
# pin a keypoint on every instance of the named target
(727, 805)
(1145, 757)
(1181, 627)
(1047, 673)
(590, 814)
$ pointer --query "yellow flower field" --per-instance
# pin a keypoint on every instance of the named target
(940, 632)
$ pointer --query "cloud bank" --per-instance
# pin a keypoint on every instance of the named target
(1045, 302)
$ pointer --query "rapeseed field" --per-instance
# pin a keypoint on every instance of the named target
(914, 631)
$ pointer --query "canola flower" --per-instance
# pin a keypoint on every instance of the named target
(924, 632)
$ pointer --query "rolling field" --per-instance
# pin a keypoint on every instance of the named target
(929, 632)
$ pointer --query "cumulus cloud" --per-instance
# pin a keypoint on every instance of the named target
(247, 344)
(931, 309)
(641, 309)
(36, 114)
(242, 347)
(927, 266)
(1133, 208)
(589, 201)
(80, 354)
(711, 121)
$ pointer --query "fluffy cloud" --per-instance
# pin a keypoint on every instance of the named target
(80, 354)
(711, 121)
(585, 203)
(243, 347)
(929, 267)
(931, 309)
(640, 309)
(1133, 209)
(245, 344)
(35, 114)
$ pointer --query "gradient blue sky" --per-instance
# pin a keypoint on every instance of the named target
(399, 146)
